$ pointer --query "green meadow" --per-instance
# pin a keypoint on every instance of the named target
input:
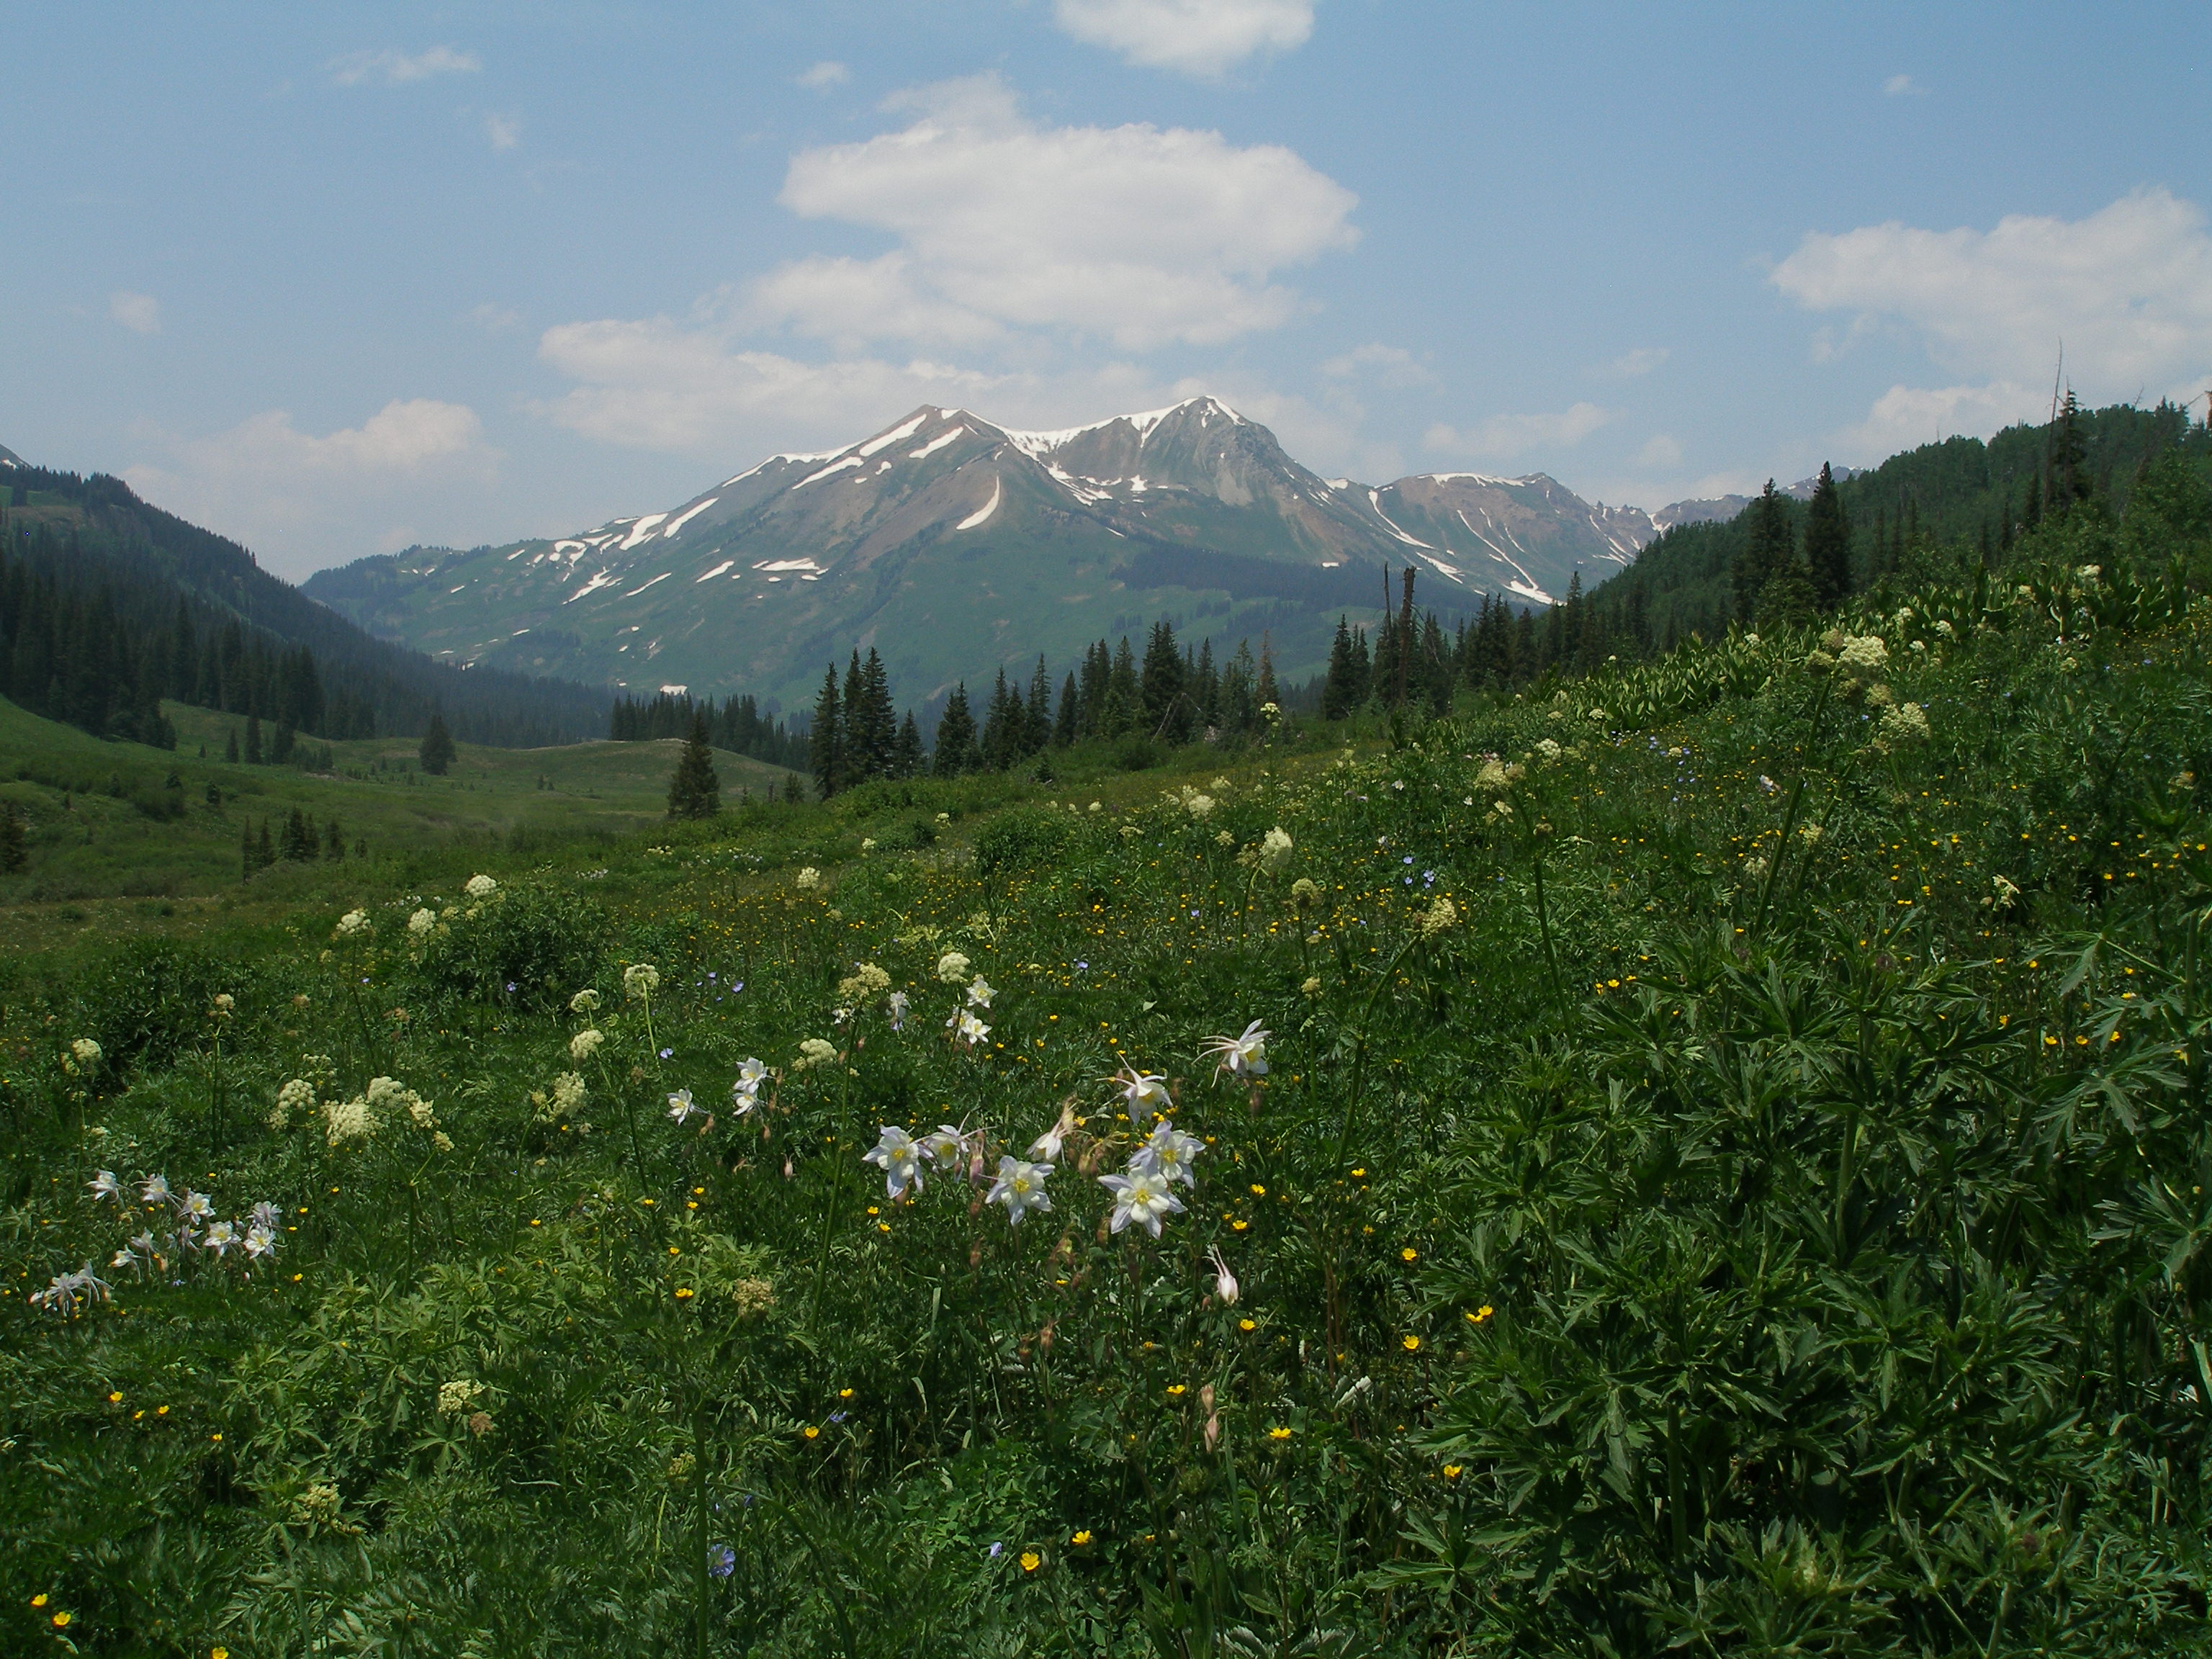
(1709, 1158)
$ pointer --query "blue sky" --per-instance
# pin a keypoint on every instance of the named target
(333, 279)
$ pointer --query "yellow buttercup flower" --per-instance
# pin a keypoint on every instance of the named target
(1412, 1344)
(1082, 1536)
(811, 1432)
(1031, 1560)
(1279, 1434)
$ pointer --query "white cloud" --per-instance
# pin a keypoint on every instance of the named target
(139, 313)
(1393, 368)
(301, 500)
(396, 68)
(1904, 417)
(1659, 453)
(823, 75)
(1903, 86)
(495, 318)
(505, 132)
(1506, 437)
(1143, 235)
(1196, 37)
(2128, 290)
(1642, 361)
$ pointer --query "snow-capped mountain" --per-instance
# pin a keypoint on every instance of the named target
(954, 545)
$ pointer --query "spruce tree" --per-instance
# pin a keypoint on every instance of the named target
(825, 742)
(1827, 544)
(1064, 724)
(906, 758)
(1339, 689)
(1038, 726)
(1266, 689)
(955, 749)
(1163, 683)
(1206, 687)
(14, 854)
(230, 749)
(253, 740)
(264, 853)
(1769, 547)
(695, 791)
(333, 841)
(1124, 694)
(436, 752)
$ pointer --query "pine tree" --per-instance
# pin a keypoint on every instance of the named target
(14, 854)
(1064, 723)
(437, 751)
(1339, 689)
(955, 749)
(907, 760)
(695, 791)
(264, 853)
(1036, 731)
(1125, 699)
(230, 749)
(333, 841)
(1769, 548)
(825, 742)
(1827, 544)
(1163, 689)
(254, 741)
(1266, 689)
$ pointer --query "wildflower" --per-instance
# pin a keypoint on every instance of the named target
(422, 922)
(260, 1241)
(2090, 573)
(863, 982)
(155, 1189)
(1310, 986)
(1143, 1092)
(1275, 851)
(721, 1560)
(808, 879)
(1810, 833)
(346, 1120)
(867, 845)
(2005, 893)
(568, 1093)
(220, 1238)
(196, 1206)
(681, 1109)
(1141, 1196)
(980, 992)
(585, 1044)
(895, 1009)
(480, 887)
(457, 1396)
(640, 979)
(1441, 917)
(1864, 653)
(1906, 723)
(66, 1293)
(945, 1146)
(351, 923)
(1549, 748)
(1047, 1146)
(584, 1001)
(1224, 1282)
(1411, 1344)
(85, 1052)
(966, 1028)
(896, 1154)
(951, 968)
(1481, 1314)
(1020, 1187)
(1767, 784)
(1944, 628)
(223, 1006)
(105, 1185)
(1082, 1536)
(1241, 1056)
(1167, 1153)
(813, 1052)
(1279, 1434)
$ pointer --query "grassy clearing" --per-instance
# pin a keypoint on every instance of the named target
(1728, 1176)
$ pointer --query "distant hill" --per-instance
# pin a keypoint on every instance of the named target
(955, 546)
(119, 604)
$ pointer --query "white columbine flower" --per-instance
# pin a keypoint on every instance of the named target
(980, 992)
(196, 1206)
(1020, 1187)
(966, 1027)
(681, 1109)
(220, 1238)
(896, 1007)
(899, 1159)
(155, 1189)
(1167, 1153)
(482, 887)
(1142, 1092)
(260, 1241)
(1047, 1145)
(1140, 1196)
(1241, 1056)
(1224, 1282)
(945, 1146)
(105, 1185)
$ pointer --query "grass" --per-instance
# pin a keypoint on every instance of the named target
(1729, 1177)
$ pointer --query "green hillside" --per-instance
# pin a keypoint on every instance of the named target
(107, 819)
(1707, 1158)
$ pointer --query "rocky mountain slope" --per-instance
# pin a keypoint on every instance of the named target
(953, 545)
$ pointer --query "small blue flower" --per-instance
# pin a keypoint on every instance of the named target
(667, 1053)
(837, 1416)
(721, 1560)
(993, 1551)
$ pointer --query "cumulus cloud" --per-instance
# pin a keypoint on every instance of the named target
(505, 132)
(823, 75)
(139, 313)
(396, 68)
(1903, 86)
(1145, 235)
(1392, 367)
(1659, 453)
(1507, 437)
(300, 500)
(1195, 37)
(1642, 361)
(2127, 291)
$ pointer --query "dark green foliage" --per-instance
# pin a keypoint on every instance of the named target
(736, 726)
(150, 1002)
(954, 752)
(1827, 545)
(14, 854)
(695, 791)
(528, 944)
(1022, 838)
(435, 753)
(825, 755)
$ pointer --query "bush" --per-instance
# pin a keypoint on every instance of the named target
(150, 1001)
(530, 942)
(1021, 839)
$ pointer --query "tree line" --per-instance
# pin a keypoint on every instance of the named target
(735, 726)
(132, 605)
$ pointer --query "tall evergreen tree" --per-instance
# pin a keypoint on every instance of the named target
(695, 790)
(253, 743)
(230, 748)
(1266, 689)
(14, 854)
(1827, 544)
(1064, 723)
(1769, 547)
(1125, 699)
(435, 755)
(1205, 688)
(1162, 691)
(954, 752)
(907, 760)
(825, 742)
(1341, 688)
(1036, 726)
